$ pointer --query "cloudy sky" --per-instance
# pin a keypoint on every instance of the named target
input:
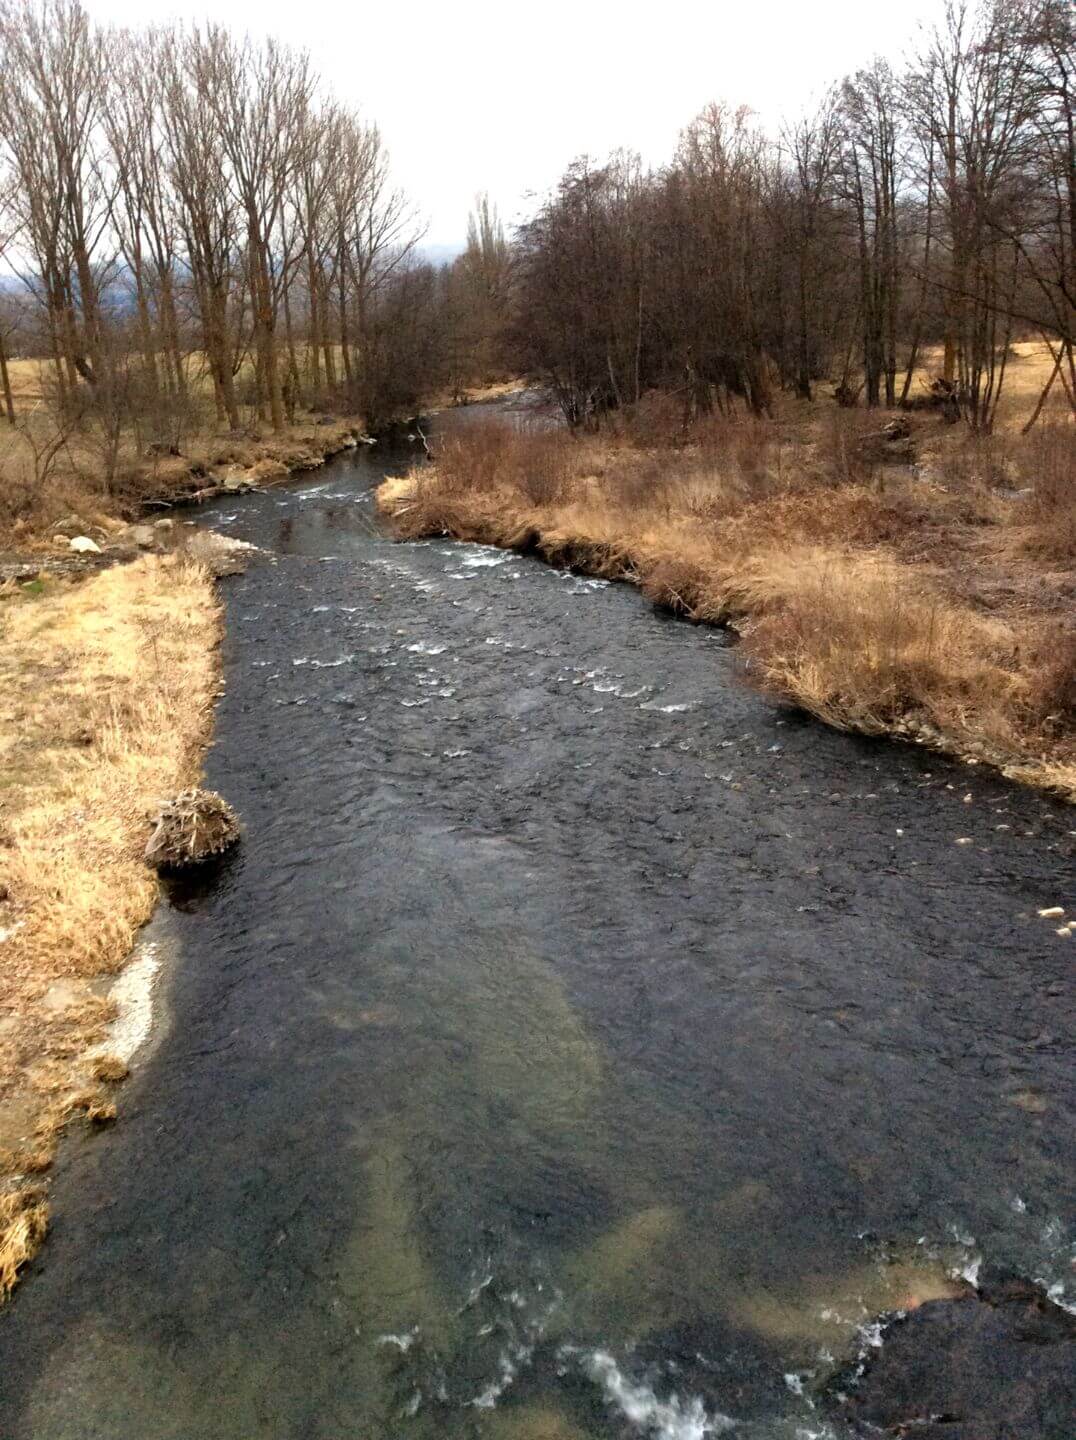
(497, 97)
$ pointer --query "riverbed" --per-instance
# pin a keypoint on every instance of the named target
(578, 1044)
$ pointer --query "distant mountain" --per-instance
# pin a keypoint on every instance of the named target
(441, 254)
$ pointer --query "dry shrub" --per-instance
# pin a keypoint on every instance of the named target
(1051, 666)
(1048, 463)
(656, 421)
(537, 463)
(194, 826)
(842, 455)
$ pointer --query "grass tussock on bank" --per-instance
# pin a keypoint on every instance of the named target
(936, 602)
(106, 689)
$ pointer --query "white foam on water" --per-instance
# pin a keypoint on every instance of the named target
(511, 1362)
(970, 1271)
(331, 664)
(402, 1342)
(483, 558)
(671, 1419)
(423, 647)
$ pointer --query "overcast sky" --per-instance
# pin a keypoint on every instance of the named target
(498, 97)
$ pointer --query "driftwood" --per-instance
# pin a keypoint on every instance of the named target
(193, 827)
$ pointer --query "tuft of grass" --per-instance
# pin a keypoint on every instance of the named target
(24, 1221)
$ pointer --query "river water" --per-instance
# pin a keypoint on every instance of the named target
(577, 1045)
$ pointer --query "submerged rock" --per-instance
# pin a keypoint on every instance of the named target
(193, 827)
(997, 1365)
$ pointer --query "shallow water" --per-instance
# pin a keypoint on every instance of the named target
(578, 1045)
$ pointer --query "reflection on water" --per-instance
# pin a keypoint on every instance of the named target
(576, 1046)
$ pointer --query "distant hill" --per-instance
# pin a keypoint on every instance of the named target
(441, 254)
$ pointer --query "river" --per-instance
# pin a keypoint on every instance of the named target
(578, 1044)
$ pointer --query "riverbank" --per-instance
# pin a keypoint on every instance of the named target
(40, 515)
(106, 693)
(908, 581)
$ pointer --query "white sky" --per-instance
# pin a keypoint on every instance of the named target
(501, 97)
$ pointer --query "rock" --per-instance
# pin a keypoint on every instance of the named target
(69, 525)
(191, 828)
(165, 526)
(83, 545)
(220, 554)
(143, 536)
(999, 1365)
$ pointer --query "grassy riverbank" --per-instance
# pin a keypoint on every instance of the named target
(106, 691)
(932, 602)
(51, 475)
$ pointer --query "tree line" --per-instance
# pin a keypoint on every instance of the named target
(930, 205)
(180, 210)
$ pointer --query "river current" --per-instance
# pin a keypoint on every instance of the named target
(577, 1045)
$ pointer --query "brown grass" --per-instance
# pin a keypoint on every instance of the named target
(934, 604)
(106, 690)
(32, 505)
(24, 1219)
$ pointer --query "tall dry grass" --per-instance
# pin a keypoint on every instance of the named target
(106, 689)
(857, 584)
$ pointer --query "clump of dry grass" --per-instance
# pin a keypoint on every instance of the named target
(193, 826)
(865, 646)
(106, 689)
(857, 586)
(24, 1220)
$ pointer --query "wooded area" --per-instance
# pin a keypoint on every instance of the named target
(183, 211)
(935, 204)
(198, 239)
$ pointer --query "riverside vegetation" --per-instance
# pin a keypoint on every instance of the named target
(210, 275)
(934, 604)
(721, 336)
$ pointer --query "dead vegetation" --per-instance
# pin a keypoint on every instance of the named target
(194, 826)
(33, 507)
(106, 689)
(935, 602)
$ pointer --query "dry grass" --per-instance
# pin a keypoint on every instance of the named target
(936, 604)
(106, 690)
(24, 1219)
(31, 503)
(1027, 370)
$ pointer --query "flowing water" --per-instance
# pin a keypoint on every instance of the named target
(577, 1045)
